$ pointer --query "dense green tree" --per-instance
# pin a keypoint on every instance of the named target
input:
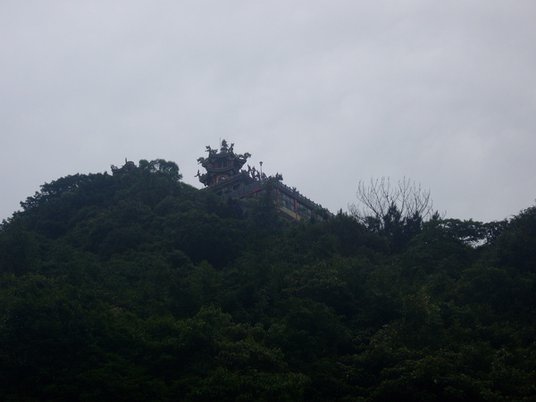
(134, 286)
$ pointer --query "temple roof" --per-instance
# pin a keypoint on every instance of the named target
(222, 163)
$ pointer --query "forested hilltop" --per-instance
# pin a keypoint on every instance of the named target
(134, 286)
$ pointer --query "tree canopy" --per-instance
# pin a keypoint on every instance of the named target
(134, 286)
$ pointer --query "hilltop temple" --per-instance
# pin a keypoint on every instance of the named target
(226, 177)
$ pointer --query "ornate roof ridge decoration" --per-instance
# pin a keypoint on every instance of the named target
(296, 193)
(225, 151)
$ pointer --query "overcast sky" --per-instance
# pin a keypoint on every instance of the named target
(324, 92)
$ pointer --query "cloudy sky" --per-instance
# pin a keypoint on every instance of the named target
(326, 92)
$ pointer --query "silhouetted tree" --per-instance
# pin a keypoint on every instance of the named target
(378, 196)
(134, 286)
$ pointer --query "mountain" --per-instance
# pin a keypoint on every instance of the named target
(134, 286)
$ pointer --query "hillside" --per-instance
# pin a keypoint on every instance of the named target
(134, 286)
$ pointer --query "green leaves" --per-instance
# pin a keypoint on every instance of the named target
(134, 286)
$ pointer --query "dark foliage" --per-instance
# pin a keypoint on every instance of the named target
(136, 287)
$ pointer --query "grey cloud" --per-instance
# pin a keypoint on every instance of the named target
(325, 92)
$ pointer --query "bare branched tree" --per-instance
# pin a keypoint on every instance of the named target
(376, 197)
